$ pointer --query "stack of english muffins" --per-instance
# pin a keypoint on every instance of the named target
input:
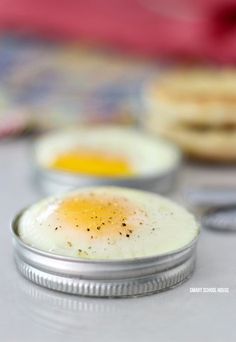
(196, 109)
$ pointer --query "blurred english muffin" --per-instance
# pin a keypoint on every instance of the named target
(195, 96)
(196, 109)
(207, 143)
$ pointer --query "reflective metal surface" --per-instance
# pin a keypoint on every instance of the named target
(104, 278)
(54, 182)
(204, 198)
(221, 219)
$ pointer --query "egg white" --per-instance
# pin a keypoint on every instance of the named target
(146, 155)
(166, 227)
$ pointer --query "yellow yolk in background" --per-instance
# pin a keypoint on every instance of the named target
(98, 217)
(94, 163)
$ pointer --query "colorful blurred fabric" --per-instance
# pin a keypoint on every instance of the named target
(196, 29)
(46, 85)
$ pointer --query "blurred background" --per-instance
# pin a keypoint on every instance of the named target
(65, 62)
(163, 66)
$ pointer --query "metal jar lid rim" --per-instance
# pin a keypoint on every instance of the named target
(104, 278)
(14, 231)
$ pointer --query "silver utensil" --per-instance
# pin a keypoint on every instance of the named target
(216, 207)
(210, 197)
(221, 219)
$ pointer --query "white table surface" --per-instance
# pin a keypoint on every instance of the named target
(31, 313)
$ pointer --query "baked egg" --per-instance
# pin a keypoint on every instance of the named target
(107, 223)
(105, 152)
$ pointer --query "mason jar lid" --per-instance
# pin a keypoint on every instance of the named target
(128, 143)
(55, 182)
(103, 278)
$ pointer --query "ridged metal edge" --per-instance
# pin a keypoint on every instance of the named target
(117, 288)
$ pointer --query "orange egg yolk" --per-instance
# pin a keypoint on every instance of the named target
(93, 163)
(98, 217)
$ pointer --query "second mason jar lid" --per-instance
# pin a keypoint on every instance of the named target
(154, 163)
